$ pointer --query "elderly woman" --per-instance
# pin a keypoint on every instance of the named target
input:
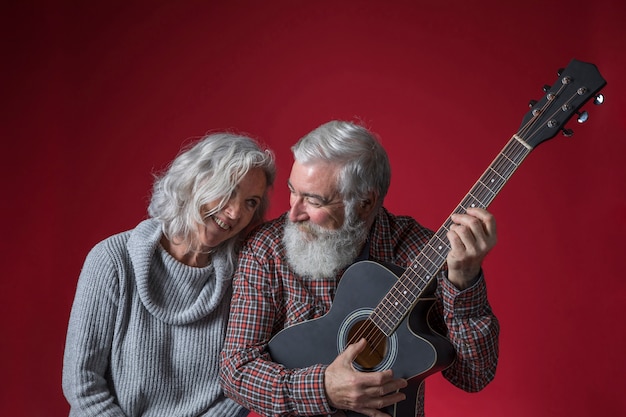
(149, 316)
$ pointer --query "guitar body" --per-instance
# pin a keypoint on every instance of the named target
(414, 351)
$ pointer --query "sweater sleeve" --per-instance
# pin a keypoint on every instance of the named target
(89, 338)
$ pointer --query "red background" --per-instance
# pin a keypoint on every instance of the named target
(99, 95)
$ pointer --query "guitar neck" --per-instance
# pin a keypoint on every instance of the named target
(577, 84)
(406, 292)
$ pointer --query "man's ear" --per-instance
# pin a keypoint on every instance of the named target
(367, 206)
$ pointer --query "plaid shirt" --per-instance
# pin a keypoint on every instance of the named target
(269, 296)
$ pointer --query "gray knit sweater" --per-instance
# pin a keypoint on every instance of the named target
(145, 332)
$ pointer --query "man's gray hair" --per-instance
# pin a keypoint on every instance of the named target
(364, 162)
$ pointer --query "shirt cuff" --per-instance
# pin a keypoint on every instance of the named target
(469, 302)
(310, 396)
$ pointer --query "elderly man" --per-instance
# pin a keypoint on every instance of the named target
(290, 269)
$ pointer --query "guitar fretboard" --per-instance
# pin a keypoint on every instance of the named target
(402, 297)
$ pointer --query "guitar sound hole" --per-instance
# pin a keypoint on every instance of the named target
(376, 348)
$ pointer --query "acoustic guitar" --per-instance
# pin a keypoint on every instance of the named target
(387, 305)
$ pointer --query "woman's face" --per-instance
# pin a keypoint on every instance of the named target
(236, 214)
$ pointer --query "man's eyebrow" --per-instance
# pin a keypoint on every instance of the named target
(322, 199)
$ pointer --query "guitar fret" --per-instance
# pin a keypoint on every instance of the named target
(385, 319)
(491, 169)
(508, 158)
(481, 189)
(471, 201)
(398, 301)
(419, 279)
(392, 312)
(425, 266)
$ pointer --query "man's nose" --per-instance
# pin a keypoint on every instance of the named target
(297, 212)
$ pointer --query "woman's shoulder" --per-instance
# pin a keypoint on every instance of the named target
(114, 252)
(112, 244)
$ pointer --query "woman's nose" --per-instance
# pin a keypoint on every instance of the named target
(233, 209)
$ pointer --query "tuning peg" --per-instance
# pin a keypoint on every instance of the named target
(546, 87)
(567, 132)
(599, 99)
(559, 72)
(532, 103)
(582, 116)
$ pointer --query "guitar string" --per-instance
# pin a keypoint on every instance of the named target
(367, 331)
(484, 192)
(370, 330)
(481, 193)
(524, 131)
(553, 115)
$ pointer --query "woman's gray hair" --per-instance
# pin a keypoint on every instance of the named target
(364, 162)
(206, 171)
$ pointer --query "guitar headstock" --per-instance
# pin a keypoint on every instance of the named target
(576, 85)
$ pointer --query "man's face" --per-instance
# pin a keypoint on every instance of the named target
(314, 197)
(318, 238)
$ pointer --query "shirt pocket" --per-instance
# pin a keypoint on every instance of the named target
(299, 311)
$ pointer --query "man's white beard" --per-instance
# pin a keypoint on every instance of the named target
(320, 253)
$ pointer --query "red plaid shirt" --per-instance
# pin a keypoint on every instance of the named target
(268, 296)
